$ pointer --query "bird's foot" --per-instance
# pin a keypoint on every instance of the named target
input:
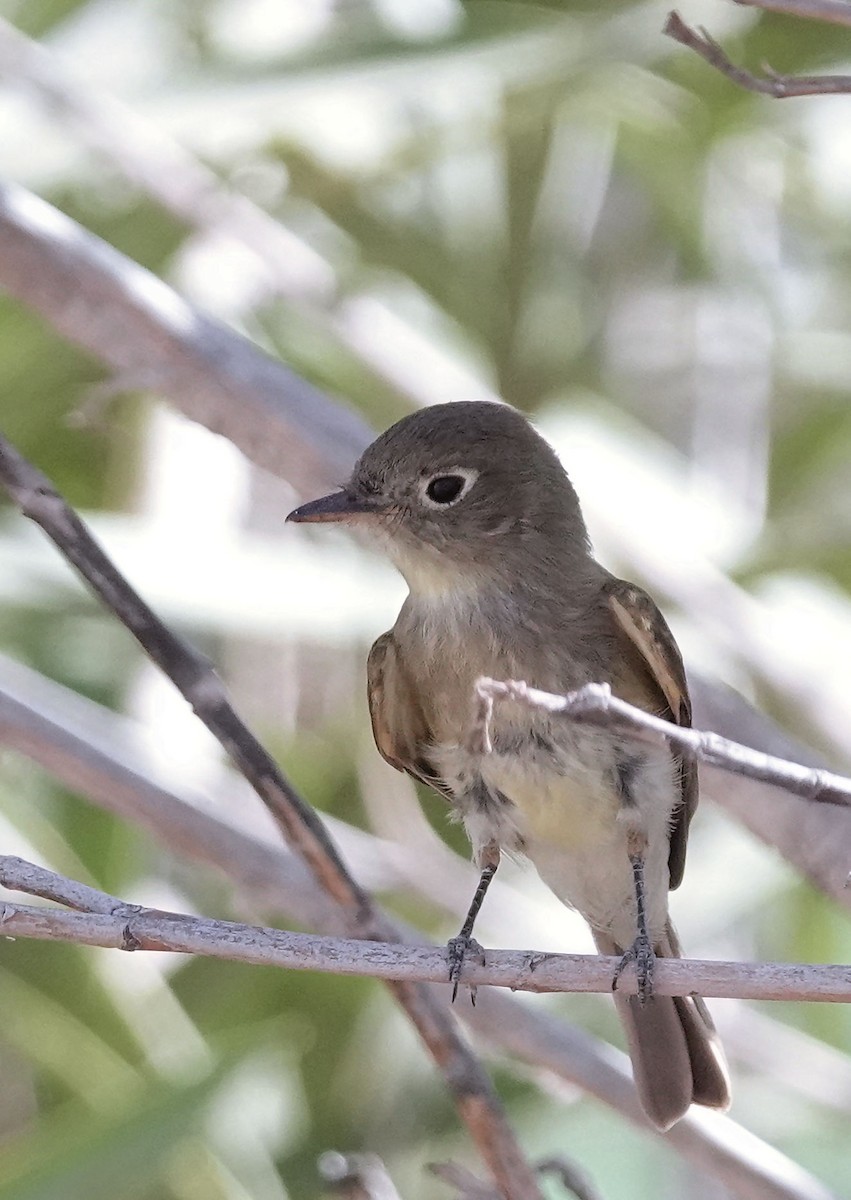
(641, 954)
(459, 949)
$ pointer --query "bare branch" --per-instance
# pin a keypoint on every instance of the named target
(136, 324)
(286, 265)
(594, 704)
(18, 875)
(91, 750)
(781, 87)
(128, 927)
(835, 12)
(94, 751)
(154, 161)
(191, 674)
(814, 838)
(469, 1084)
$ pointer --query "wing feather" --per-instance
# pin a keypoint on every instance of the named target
(399, 726)
(639, 620)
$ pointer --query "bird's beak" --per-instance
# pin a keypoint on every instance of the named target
(339, 506)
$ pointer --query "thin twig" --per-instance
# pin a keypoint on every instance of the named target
(834, 12)
(813, 838)
(781, 87)
(474, 1095)
(128, 927)
(594, 704)
(96, 752)
(18, 875)
(193, 675)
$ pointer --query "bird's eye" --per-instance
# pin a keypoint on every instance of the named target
(443, 489)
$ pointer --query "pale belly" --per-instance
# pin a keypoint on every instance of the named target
(569, 822)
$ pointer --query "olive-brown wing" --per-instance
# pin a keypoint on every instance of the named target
(655, 680)
(399, 726)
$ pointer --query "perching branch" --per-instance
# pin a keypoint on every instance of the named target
(104, 920)
(468, 1083)
(594, 704)
(781, 87)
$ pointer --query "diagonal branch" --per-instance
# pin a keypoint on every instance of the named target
(18, 875)
(136, 324)
(97, 753)
(594, 704)
(470, 1086)
(167, 171)
(186, 187)
(781, 87)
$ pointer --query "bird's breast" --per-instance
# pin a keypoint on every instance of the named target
(543, 792)
(571, 805)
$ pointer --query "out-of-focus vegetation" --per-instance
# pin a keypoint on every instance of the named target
(549, 202)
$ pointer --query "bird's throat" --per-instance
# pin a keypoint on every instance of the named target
(434, 579)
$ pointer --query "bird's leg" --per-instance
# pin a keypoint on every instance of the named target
(641, 950)
(464, 944)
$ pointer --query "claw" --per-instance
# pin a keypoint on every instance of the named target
(641, 954)
(458, 950)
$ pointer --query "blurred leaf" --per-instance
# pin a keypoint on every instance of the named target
(38, 17)
(105, 1159)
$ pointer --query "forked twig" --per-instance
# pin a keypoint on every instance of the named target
(772, 83)
(594, 704)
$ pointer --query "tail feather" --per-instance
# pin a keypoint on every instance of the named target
(677, 1058)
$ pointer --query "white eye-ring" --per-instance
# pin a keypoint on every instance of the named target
(448, 487)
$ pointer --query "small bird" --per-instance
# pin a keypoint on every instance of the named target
(474, 508)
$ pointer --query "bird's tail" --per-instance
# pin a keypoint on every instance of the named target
(677, 1058)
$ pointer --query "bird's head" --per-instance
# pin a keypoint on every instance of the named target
(449, 491)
